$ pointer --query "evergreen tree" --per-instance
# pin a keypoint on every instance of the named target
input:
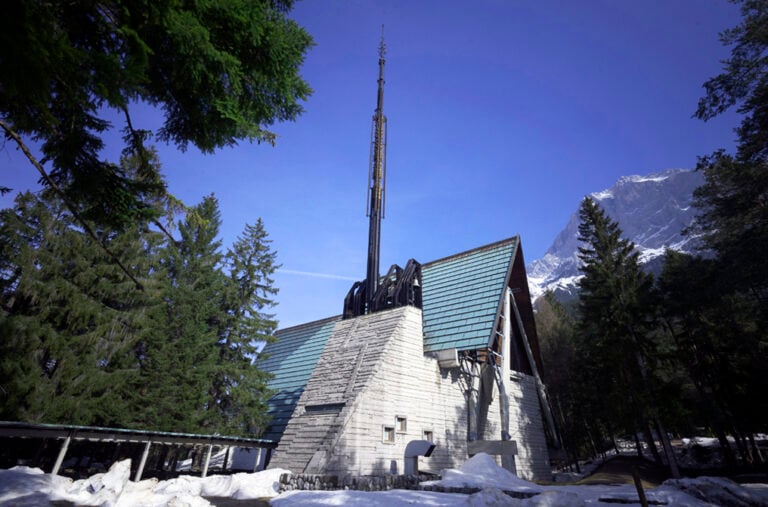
(615, 347)
(733, 202)
(220, 71)
(70, 319)
(240, 389)
(80, 345)
(718, 341)
(725, 330)
(555, 328)
(744, 81)
(179, 358)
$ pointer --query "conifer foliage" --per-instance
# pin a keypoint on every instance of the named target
(733, 202)
(691, 351)
(608, 314)
(239, 390)
(80, 344)
(220, 72)
(617, 349)
(69, 317)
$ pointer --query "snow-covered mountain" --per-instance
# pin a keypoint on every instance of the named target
(651, 211)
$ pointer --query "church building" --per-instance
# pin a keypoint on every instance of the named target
(427, 365)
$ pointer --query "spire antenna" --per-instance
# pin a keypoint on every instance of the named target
(377, 174)
(400, 286)
(382, 46)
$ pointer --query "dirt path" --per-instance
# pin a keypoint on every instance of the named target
(618, 470)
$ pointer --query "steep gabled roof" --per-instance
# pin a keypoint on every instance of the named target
(292, 358)
(462, 296)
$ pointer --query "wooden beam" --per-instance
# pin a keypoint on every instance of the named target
(207, 460)
(143, 462)
(62, 453)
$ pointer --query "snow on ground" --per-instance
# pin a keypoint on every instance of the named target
(24, 486)
(481, 471)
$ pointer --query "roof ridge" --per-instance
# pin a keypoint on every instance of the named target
(308, 324)
(474, 250)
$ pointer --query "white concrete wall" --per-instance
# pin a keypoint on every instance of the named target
(376, 366)
(409, 385)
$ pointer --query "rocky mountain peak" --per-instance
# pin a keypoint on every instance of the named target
(652, 212)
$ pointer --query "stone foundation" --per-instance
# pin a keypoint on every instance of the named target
(316, 482)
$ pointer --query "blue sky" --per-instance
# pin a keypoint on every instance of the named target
(502, 115)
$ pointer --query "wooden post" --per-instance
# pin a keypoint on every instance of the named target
(474, 402)
(258, 463)
(507, 460)
(639, 487)
(143, 462)
(62, 452)
(226, 457)
(207, 460)
(507, 330)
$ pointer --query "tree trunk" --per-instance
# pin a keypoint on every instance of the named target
(651, 444)
(671, 460)
(613, 439)
(638, 446)
(742, 448)
(725, 445)
(756, 450)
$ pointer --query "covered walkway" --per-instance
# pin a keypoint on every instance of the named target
(157, 439)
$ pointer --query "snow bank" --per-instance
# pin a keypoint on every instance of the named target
(242, 486)
(26, 486)
(716, 490)
(481, 471)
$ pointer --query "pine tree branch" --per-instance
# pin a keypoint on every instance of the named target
(173, 241)
(69, 204)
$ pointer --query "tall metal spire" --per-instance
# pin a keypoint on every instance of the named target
(400, 286)
(376, 182)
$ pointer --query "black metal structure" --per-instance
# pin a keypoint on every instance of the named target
(400, 287)
(376, 183)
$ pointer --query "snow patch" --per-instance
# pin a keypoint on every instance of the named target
(655, 178)
(605, 194)
(481, 471)
(716, 490)
(24, 486)
(555, 499)
(30, 486)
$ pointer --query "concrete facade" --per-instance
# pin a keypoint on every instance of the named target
(374, 390)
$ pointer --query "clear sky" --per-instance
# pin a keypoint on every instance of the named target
(502, 115)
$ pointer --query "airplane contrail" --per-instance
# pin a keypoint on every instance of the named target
(316, 275)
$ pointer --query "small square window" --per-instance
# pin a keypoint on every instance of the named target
(388, 435)
(428, 435)
(402, 424)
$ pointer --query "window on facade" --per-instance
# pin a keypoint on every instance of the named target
(402, 424)
(428, 435)
(388, 435)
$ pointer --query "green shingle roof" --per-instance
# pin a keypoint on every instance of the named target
(292, 358)
(461, 296)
